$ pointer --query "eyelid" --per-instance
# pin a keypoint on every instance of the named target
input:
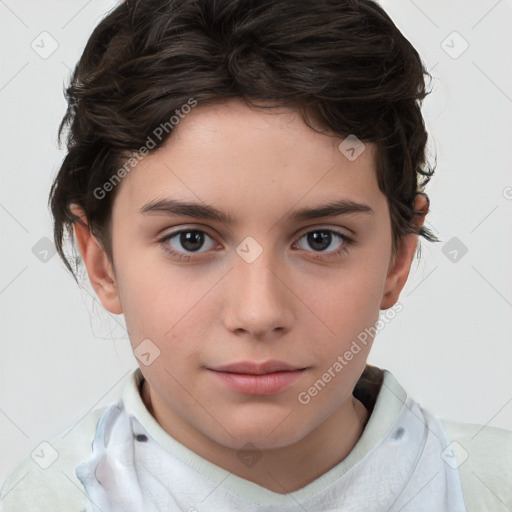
(175, 230)
(320, 227)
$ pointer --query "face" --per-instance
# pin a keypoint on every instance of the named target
(259, 284)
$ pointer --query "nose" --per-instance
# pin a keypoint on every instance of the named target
(258, 299)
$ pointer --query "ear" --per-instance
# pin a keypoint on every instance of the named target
(400, 264)
(100, 270)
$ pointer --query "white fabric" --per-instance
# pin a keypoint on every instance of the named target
(404, 471)
(483, 454)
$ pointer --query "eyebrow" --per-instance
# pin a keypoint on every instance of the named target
(177, 207)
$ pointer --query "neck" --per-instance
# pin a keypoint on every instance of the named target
(282, 470)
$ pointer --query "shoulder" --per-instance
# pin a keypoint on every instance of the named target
(483, 456)
(46, 479)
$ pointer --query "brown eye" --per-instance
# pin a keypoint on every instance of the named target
(191, 240)
(185, 242)
(323, 239)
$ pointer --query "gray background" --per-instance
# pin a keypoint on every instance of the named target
(62, 354)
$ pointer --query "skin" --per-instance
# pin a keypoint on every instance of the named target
(292, 303)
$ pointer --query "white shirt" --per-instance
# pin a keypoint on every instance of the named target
(405, 460)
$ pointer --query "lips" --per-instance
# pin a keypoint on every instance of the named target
(255, 368)
(253, 378)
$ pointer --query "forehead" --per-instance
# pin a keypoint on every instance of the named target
(250, 160)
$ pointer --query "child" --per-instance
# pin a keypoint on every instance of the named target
(284, 142)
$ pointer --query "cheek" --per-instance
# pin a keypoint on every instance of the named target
(146, 312)
(162, 305)
(349, 298)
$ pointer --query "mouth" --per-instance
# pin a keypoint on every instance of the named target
(255, 368)
(253, 378)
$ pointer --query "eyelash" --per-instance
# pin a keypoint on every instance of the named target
(345, 247)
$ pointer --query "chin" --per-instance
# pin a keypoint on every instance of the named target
(263, 435)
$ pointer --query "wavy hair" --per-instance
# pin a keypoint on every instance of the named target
(342, 62)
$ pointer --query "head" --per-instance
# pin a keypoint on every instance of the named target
(246, 107)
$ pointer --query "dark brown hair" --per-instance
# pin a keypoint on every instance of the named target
(342, 62)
